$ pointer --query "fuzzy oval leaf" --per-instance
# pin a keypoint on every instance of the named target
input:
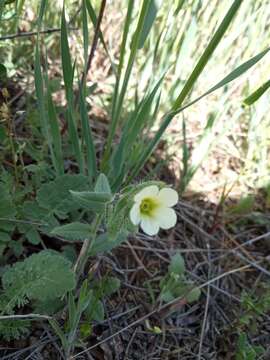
(177, 265)
(193, 295)
(105, 243)
(91, 200)
(74, 231)
(102, 184)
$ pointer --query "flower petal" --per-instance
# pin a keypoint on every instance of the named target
(166, 218)
(148, 191)
(150, 226)
(168, 197)
(135, 214)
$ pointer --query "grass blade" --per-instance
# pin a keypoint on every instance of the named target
(68, 74)
(252, 98)
(149, 20)
(207, 53)
(54, 127)
(91, 161)
(118, 102)
(85, 33)
(240, 70)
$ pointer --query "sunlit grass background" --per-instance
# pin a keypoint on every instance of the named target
(226, 143)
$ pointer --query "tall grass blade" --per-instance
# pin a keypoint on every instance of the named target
(39, 86)
(149, 20)
(252, 98)
(207, 53)
(68, 74)
(85, 34)
(91, 161)
(118, 102)
(54, 127)
(93, 18)
(41, 13)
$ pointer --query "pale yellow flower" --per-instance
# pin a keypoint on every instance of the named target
(152, 209)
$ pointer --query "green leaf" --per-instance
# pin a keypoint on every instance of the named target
(95, 309)
(54, 128)
(41, 13)
(74, 231)
(105, 243)
(4, 237)
(43, 276)
(56, 198)
(177, 265)
(91, 200)
(7, 209)
(91, 160)
(244, 206)
(149, 20)
(252, 98)
(109, 285)
(68, 74)
(3, 72)
(193, 295)
(33, 236)
(38, 216)
(102, 185)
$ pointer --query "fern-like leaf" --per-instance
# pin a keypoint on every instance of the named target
(41, 277)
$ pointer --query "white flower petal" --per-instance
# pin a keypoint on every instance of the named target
(135, 214)
(150, 226)
(166, 218)
(168, 197)
(148, 191)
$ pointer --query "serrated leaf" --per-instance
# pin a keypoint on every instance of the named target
(73, 231)
(56, 198)
(177, 265)
(38, 216)
(33, 236)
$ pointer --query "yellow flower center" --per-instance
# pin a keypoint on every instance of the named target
(147, 206)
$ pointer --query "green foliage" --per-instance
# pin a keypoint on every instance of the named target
(244, 206)
(87, 308)
(95, 200)
(254, 307)
(14, 329)
(252, 98)
(74, 231)
(106, 242)
(174, 284)
(245, 351)
(55, 196)
(41, 277)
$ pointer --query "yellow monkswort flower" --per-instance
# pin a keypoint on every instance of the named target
(152, 209)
